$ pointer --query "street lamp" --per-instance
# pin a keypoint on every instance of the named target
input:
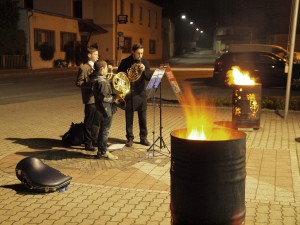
(183, 17)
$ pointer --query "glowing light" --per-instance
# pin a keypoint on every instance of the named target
(238, 77)
(199, 117)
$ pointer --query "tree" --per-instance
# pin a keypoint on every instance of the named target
(9, 15)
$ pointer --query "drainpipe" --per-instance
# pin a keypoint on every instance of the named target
(116, 34)
(29, 39)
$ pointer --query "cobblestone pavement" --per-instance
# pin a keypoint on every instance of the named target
(136, 188)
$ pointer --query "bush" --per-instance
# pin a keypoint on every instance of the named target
(46, 51)
(12, 42)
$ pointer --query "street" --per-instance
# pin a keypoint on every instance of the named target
(62, 83)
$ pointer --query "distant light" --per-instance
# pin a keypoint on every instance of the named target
(197, 29)
(191, 22)
(183, 17)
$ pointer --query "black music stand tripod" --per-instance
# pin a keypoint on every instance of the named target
(162, 144)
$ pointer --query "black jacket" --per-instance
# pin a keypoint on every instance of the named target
(136, 99)
(104, 98)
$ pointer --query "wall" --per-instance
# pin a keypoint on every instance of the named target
(56, 24)
(61, 7)
(105, 17)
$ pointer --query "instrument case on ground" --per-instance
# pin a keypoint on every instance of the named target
(36, 175)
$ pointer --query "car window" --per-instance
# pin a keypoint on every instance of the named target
(279, 52)
(265, 58)
(242, 58)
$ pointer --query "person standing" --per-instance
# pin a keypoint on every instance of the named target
(136, 99)
(85, 82)
(104, 101)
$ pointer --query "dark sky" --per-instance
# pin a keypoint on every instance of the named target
(270, 16)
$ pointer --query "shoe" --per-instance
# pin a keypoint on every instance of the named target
(108, 155)
(145, 142)
(89, 148)
(129, 143)
(98, 156)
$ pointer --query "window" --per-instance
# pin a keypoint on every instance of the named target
(67, 40)
(152, 49)
(141, 41)
(77, 8)
(265, 58)
(149, 18)
(43, 36)
(127, 45)
(141, 15)
(131, 12)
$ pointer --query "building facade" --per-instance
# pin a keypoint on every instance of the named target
(112, 26)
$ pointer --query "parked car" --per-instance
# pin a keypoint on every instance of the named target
(278, 50)
(267, 68)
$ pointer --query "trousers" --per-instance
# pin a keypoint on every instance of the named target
(91, 123)
(142, 124)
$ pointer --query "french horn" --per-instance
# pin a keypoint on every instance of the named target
(134, 72)
(121, 87)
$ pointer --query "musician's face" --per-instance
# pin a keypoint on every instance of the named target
(138, 54)
(104, 70)
(94, 56)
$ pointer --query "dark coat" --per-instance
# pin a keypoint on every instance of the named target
(104, 99)
(136, 99)
(85, 83)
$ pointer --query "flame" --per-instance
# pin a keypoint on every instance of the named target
(199, 115)
(196, 135)
(236, 76)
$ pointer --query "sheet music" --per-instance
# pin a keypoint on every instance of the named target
(156, 79)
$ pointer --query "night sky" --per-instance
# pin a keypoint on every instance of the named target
(267, 16)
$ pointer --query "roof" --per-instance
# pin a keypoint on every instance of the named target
(88, 25)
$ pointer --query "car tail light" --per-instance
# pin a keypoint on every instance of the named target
(220, 63)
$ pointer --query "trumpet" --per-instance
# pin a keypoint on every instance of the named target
(121, 87)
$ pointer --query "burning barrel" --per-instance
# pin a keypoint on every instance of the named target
(246, 104)
(208, 178)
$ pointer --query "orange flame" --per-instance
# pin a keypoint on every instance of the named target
(199, 115)
(236, 76)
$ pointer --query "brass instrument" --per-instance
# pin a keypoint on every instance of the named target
(134, 72)
(121, 87)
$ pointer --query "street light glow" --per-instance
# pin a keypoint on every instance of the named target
(184, 17)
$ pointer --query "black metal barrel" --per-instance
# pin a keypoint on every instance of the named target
(246, 106)
(208, 180)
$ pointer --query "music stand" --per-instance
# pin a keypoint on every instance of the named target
(153, 86)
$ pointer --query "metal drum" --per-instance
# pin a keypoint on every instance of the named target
(246, 106)
(208, 180)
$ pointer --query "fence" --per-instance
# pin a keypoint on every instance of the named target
(12, 61)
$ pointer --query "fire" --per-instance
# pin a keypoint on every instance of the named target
(199, 115)
(236, 76)
(196, 135)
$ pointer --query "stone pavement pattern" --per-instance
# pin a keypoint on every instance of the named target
(134, 189)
